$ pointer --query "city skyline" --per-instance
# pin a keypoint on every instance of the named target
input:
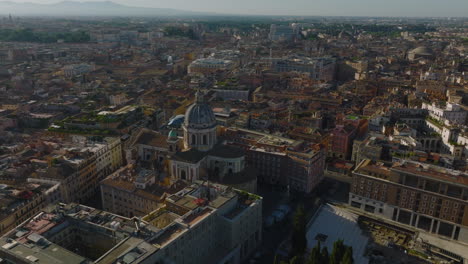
(414, 8)
(260, 132)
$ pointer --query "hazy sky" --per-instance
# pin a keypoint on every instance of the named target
(440, 8)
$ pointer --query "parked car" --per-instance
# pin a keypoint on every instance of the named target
(286, 209)
(278, 215)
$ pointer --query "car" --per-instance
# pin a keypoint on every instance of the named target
(286, 209)
(278, 215)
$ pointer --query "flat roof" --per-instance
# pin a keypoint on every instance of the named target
(336, 223)
(451, 246)
(48, 254)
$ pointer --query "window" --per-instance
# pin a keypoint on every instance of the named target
(194, 140)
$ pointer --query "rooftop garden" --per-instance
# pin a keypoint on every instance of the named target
(243, 195)
(435, 122)
(456, 144)
(78, 131)
(403, 155)
(228, 82)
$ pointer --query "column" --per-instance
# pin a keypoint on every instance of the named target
(438, 225)
(453, 232)
(417, 221)
(397, 214)
(432, 226)
(411, 219)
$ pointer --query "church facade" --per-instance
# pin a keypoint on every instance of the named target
(204, 156)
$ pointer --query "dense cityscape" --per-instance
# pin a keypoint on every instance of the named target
(239, 139)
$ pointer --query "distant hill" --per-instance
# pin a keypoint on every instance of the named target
(72, 8)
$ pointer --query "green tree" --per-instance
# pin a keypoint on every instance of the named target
(324, 256)
(275, 260)
(295, 260)
(315, 256)
(348, 256)
(337, 252)
(299, 240)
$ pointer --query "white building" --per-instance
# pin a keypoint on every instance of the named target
(77, 69)
(208, 65)
(282, 33)
(318, 68)
(454, 113)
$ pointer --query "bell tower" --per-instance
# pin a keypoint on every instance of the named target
(173, 142)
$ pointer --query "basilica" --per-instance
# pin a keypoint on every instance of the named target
(204, 156)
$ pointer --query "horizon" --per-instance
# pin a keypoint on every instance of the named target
(321, 8)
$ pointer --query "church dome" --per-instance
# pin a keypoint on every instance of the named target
(425, 51)
(199, 115)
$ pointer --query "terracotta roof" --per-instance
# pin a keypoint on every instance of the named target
(439, 173)
(152, 138)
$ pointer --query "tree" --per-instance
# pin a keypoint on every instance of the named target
(295, 260)
(315, 256)
(337, 252)
(275, 260)
(299, 239)
(348, 256)
(324, 256)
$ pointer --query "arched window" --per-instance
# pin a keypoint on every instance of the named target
(205, 141)
(194, 140)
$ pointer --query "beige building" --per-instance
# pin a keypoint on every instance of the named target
(80, 165)
(214, 224)
(134, 191)
(22, 201)
(199, 224)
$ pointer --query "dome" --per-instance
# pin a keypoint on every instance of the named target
(422, 51)
(199, 115)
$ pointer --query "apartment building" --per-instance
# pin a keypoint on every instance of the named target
(202, 223)
(426, 197)
(318, 68)
(21, 201)
(454, 113)
(275, 158)
(80, 165)
(135, 191)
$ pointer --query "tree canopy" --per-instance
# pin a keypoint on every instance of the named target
(299, 239)
(28, 35)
